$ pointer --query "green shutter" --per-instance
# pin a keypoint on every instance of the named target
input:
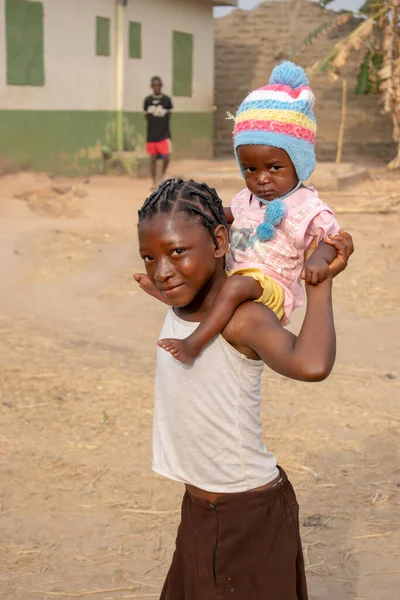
(24, 42)
(102, 36)
(182, 53)
(135, 40)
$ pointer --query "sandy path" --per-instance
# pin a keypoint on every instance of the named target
(81, 514)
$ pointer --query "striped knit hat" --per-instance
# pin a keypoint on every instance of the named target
(281, 115)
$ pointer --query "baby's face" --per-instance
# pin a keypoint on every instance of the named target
(269, 173)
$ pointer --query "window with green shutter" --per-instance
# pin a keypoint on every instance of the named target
(182, 56)
(102, 36)
(135, 40)
(24, 42)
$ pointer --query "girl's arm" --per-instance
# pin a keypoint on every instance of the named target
(343, 243)
(309, 356)
(255, 330)
(315, 268)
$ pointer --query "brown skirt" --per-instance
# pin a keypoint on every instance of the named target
(244, 547)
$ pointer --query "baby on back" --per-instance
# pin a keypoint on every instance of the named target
(275, 218)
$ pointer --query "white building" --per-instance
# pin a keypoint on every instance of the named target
(69, 69)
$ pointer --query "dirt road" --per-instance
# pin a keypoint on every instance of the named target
(81, 514)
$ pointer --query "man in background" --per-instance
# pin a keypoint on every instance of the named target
(157, 110)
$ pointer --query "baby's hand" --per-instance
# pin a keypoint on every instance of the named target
(141, 278)
(315, 270)
(149, 287)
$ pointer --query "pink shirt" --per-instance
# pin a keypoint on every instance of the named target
(283, 257)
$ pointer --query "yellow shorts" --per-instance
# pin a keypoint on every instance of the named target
(272, 296)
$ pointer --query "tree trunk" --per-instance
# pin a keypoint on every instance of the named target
(395, 163)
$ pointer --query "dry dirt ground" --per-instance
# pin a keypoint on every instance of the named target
(81, 514)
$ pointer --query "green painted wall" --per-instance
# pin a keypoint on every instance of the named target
(55, 141)
(69, 142)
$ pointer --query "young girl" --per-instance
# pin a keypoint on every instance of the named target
(275, 218)
(239, 533)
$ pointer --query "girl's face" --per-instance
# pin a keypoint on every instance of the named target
(180, 256)
(269, 173)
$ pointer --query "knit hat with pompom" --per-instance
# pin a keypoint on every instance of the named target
(281, 115)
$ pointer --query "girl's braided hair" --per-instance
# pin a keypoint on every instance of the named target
(195, 199)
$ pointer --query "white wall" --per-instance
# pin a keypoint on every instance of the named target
(77, 79)
(159, 19)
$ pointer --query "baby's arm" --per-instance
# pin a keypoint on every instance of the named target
(316, 266)
(228, 215)
(234, 291)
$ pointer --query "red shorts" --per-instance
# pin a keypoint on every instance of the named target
(160, 149)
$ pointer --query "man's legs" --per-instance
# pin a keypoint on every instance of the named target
(153, 170)
(158, 150)
(165, 149)
(151, 148)
(166, 161)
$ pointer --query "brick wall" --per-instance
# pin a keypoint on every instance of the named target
(247, 46)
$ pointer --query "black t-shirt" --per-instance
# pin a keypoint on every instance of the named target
(157, 108)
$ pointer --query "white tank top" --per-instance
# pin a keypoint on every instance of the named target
(207, 426)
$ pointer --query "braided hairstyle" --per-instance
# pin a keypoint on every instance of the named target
(195, 199)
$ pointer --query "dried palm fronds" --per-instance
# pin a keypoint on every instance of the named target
(379, 36)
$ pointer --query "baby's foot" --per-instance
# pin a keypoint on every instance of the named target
(182, 350)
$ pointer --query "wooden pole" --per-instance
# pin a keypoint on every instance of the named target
(342, 122)
(119, 75)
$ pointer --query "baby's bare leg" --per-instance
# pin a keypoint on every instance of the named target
(235, 290)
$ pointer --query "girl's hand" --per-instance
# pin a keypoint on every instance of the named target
(343, 242)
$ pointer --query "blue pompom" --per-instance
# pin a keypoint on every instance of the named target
(265, 232)
(275, 212)
(287, 73)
